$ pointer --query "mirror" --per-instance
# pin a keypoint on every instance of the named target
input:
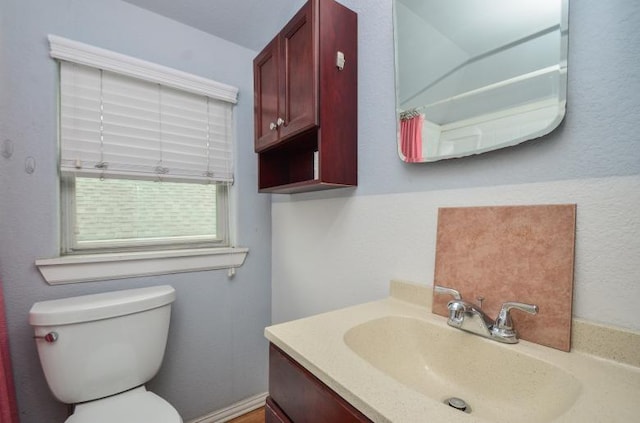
(477, 75)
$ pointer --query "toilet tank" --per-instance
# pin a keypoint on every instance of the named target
(106, 343)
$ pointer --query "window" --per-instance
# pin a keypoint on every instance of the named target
(142, 164)
(145, 156)
(128, 213)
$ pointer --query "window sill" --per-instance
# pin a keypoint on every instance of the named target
(96, 267)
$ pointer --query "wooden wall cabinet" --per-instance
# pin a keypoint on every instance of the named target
(305, 102)
(297, 396)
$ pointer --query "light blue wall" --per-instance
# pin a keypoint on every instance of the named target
(216, 353)
(599, 136)
(338, 248)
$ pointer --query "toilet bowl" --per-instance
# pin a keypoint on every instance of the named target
(98, 351)
(137, 405)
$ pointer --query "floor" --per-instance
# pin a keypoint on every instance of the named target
(256, 416)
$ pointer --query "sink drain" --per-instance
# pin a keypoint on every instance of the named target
(458, 404)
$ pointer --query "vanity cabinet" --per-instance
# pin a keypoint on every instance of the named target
(305, 102)
(295, 395)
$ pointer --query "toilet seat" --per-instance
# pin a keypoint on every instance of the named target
(135, 406)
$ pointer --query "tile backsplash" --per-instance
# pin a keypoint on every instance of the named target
(511, 253)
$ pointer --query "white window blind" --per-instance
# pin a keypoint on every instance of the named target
(121, 126)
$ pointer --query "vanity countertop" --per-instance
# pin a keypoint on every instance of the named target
(608, 390)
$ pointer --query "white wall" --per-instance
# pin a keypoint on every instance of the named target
(339, 248)
(355, 245)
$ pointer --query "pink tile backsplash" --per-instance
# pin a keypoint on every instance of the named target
(511, 253)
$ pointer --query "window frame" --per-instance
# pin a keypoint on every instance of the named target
(114, 263)
(69, 244)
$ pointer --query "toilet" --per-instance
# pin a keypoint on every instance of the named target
(98, 351)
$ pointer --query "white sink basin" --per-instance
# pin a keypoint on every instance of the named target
(496, 381)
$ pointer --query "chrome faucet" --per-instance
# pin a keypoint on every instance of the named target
(470, 317)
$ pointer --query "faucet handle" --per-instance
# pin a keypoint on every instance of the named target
(504, 322)
(444, 290)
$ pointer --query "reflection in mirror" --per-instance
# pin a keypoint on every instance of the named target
(477, 75)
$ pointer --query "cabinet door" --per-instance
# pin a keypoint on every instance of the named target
(266, 91)
(299, 73)
(303, 398)
(273, 413)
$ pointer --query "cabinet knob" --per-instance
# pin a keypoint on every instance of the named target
(274, 126)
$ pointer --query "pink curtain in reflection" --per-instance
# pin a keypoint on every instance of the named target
(8, 409)
(411, 138)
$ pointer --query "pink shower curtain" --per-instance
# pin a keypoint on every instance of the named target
(8, 409)
(411, 137)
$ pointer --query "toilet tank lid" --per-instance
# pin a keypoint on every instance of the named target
(87, 308)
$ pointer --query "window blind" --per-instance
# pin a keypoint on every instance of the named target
(114, 125)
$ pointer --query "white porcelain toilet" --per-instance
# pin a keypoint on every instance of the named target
(97, 352)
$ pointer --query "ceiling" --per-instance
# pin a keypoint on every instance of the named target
(249, 23)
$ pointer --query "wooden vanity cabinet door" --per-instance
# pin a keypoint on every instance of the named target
(298, 96)
(302, 397)
(266, 91)
(273, 413)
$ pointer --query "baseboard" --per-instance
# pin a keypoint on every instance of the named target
(235, 410)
